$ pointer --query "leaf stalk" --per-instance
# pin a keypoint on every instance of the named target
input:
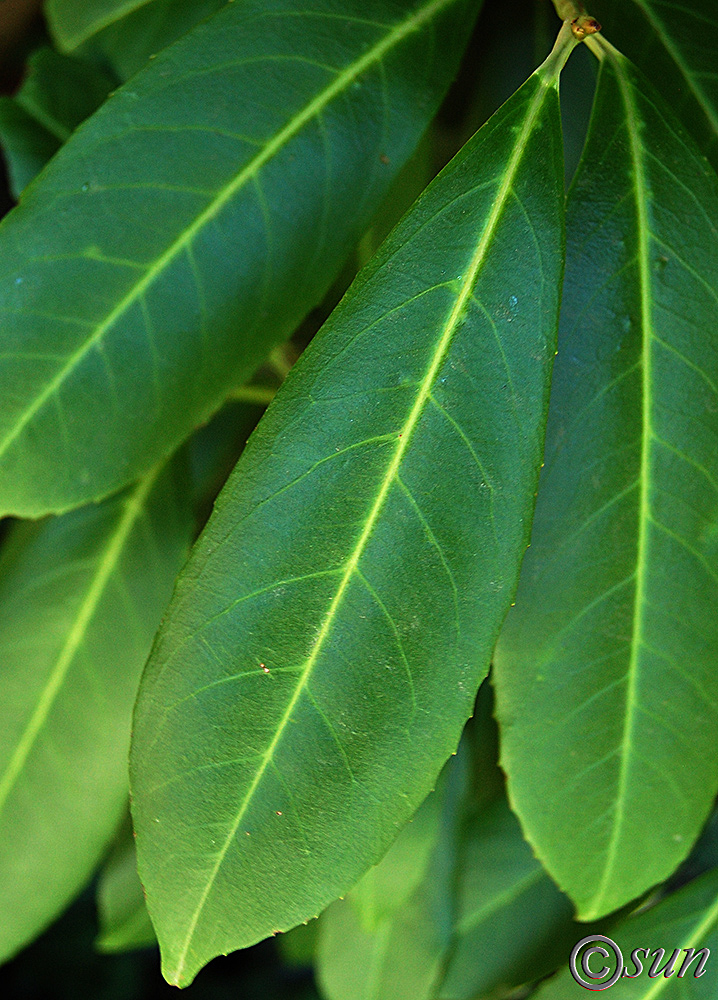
(573, 12)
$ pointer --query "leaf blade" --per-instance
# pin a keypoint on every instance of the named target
(128, 43)
(376, 391)
(605, 664)
(57, 95)
(122, 915)
(73, 22)
(70, 687)
(484, 917)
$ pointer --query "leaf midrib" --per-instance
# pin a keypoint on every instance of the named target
(134, 507)
(470, 921)
(544, 84)
(340, 83)
(640, 187)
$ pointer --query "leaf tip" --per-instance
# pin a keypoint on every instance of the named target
(175, 967)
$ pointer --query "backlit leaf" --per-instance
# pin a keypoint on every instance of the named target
(485, 917)
(80, 599)
(125, 33)
(388, 886)
(73, 22)
(401, 952)
(685, 922)
(511, 923)
(124, 921)
(26, 145)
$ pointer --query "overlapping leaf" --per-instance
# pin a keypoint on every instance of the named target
(327, 640)
(606, 669)
(681, 926)
(57, 95)
(674, 44)
(511, 923)
(485, 918)
(374, 945)
(124, 921)
(388, 886)
(125, 33)
(80, 599)
(193, 221)
(73, 22)
(298, 946)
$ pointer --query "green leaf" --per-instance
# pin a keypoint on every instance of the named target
(511, 922)
(704, 855)
(26, 145)
(386, 887)
(124, 33)
(215, 448)
(606, 669)
(328, 637)
(399, 953)
(73, 22)
(298, 946)
(685, 920)
(58, 93)
(124, 921)
(674, 44)
(198, 229)
(80, 599)
(484, 917)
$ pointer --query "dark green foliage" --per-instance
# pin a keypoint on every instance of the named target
(57, 95)
(318, 209)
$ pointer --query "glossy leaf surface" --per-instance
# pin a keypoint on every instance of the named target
(606, 669)
(674, 44)
(327, 640)
(182, 233)
(98, 580)
(124, 921)
(686, 922)
(59, 92)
